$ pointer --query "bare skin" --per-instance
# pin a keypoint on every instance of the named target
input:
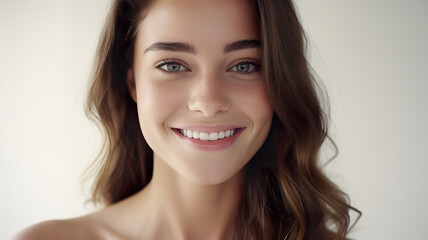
(154, 213)
(194, 193)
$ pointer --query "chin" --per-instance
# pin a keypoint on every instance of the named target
(211, 177)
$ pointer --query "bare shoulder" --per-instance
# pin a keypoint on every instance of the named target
(111, 223)
(54, 229)
(79, 228)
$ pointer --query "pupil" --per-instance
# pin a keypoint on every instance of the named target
(173, 67)
(243, 67)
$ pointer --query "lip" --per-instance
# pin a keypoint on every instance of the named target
(209, 129)
(217, 145)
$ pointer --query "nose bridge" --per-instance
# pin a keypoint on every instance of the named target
(209, 94)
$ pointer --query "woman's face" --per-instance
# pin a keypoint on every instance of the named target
(197, 82)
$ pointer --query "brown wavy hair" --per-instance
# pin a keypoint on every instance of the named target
(286, 193)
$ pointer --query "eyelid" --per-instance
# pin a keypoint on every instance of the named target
(255, 62)
(163, 62)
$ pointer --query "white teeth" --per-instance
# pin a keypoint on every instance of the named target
(204, 136)
(221, 135)
(213, 136)
(189, 134)
(195, 135)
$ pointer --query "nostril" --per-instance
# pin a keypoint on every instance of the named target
(209, 97)
(209, 108)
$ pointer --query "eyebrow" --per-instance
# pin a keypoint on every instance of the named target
(187, 48)
(171, 46)
(243, 44)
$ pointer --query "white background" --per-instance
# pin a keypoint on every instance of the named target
(371, 55)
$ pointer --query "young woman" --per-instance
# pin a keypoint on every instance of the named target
(213, 127)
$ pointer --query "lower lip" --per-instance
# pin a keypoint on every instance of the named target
(207, 145)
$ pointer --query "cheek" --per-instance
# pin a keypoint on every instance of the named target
(158, 98)
(156, 102)
(155, 98)
(255, 103)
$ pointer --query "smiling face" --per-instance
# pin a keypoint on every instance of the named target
(196, 79)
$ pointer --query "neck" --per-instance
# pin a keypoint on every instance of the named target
(189, 210)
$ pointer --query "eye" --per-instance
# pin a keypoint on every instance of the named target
(171, 67)
(245, 67)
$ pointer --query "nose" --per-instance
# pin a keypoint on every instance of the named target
(209, 96)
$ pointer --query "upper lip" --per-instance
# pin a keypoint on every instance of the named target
(203, 128)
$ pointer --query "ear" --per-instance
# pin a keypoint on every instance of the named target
(130, 81)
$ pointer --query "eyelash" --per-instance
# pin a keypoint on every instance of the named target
(255, 67)
(166, 71)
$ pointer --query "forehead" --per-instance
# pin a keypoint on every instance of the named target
(199, 21)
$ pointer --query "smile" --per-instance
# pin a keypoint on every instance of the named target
(207, 136)
(209, 139)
